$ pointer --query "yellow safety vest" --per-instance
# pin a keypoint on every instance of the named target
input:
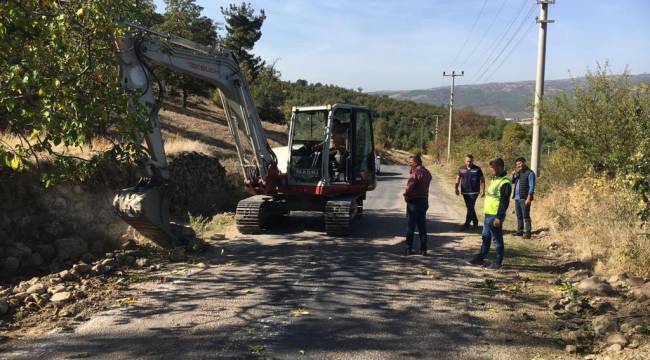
(493, 196)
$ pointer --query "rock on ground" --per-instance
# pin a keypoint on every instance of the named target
(61, 297)
(594, 286)
(603, 324)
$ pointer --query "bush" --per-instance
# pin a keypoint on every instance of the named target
(564, 168)
(598, 217)
(607, 124)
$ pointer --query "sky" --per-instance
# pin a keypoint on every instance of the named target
(407, 44)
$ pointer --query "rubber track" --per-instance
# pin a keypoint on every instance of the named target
(251, 216)
(339, 215)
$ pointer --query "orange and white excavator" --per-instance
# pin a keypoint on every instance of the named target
(328, 165)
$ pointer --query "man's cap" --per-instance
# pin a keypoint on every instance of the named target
(498, 161)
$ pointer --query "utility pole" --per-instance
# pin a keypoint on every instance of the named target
(451, 108)
(435, 135)
(539, 82)
(421, 133)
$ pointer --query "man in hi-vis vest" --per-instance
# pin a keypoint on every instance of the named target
(497, 198)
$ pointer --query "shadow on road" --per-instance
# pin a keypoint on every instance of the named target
(361, 295)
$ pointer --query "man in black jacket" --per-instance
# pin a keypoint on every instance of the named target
(523, 180)
(470, 182)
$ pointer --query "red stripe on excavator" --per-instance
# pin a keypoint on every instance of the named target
(324, 190)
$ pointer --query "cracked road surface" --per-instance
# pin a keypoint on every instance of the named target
(296, 293)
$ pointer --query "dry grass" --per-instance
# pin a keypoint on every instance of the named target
(597, 219)
(176, 144)
(86, 151)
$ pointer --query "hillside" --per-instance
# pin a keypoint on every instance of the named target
(505, 100)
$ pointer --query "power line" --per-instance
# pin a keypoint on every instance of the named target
(514, 34)
(498, 40)
(524, 34)
(469, 56)
(469, 35)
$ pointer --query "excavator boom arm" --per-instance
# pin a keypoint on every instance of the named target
(146, 206)
(216, 66)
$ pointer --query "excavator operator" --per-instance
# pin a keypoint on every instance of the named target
(338, 149)
(338, 146)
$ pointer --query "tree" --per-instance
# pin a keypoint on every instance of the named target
(382, 135)
(269, 94)
(59, 88)
(606, 121)
(183, 18)
(244, 29)
(513, 137)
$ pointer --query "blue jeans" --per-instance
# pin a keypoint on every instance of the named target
(491, 233)
(470, 203)
(523, 217)
(416, 215)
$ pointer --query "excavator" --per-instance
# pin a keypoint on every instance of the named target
(328, 165)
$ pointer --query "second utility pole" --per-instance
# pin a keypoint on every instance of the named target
(539, 83)
(451, 108)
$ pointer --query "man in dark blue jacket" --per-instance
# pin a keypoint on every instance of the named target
(470, 182)
(523, 180)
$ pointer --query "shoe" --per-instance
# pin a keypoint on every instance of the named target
(527, 236)
(408, 252)
(519, 233)
(423, 252)
(476, 260)
(464, 227)
(494, 266)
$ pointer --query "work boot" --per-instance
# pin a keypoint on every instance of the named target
(464, 227)
(476, 260)
(408, 252)
(527, 236)
(519, 233)
(423, 252)
(494, 266)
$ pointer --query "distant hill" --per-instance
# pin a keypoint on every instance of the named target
(505, 100)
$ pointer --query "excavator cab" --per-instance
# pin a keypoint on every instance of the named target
(331, 145)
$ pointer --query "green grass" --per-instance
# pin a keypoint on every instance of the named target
(206, 227)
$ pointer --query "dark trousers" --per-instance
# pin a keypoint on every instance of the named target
(416, 215)
(491, 233)
(470, 203)
(523, 217)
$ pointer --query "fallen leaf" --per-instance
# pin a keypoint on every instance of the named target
(127, 301)
(299, 312)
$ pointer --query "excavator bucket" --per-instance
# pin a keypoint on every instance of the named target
(146, 208)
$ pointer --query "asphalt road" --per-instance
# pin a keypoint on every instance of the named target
(298, 294)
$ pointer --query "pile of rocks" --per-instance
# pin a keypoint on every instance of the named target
(202, 185)
(51, 250)
(54, 291)
(597, 315)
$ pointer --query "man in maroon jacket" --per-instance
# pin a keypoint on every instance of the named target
(417, 203)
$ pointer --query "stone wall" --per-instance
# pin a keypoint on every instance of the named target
(47, 230)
